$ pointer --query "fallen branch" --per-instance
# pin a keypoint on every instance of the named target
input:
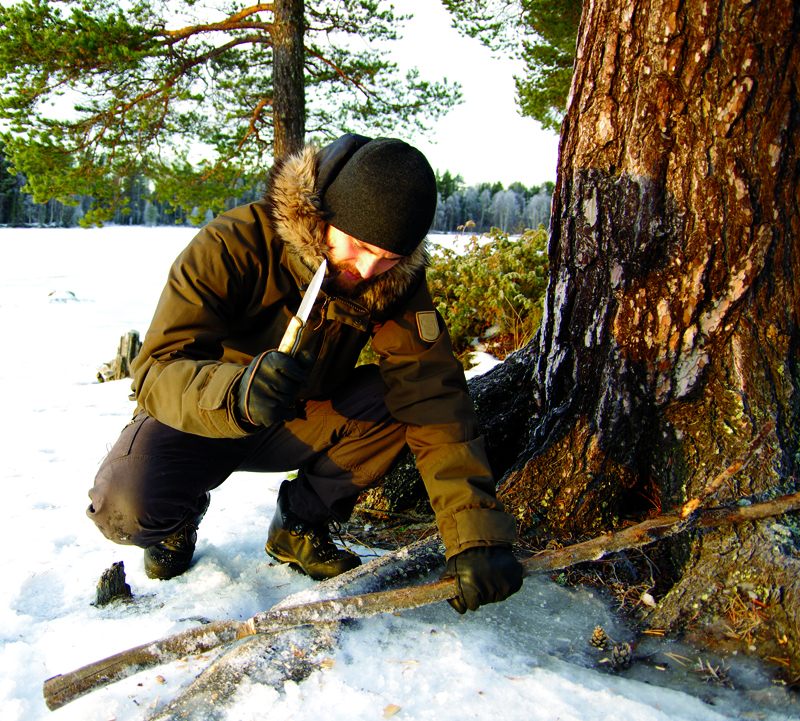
(656, 529)
(60, 690)
(268, 660)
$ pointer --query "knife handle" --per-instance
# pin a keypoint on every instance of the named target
(291, 336)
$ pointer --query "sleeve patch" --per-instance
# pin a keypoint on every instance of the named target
(428, 325)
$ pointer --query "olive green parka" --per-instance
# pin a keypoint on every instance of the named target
(229, 297)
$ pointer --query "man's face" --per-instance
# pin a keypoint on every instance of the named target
(356, 262)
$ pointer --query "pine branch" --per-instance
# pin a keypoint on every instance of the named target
(60, 690)
(234, 22)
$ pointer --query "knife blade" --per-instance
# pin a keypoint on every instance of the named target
(291, 337)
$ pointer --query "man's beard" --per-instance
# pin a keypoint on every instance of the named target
(339, 284)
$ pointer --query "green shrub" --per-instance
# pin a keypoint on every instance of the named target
(491, 294)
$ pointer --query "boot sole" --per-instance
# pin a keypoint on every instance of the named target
(293, 564)
(278, 556)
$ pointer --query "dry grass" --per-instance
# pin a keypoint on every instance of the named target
(386, 530)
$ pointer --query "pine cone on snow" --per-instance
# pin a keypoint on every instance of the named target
(621, 656)
(599, 639)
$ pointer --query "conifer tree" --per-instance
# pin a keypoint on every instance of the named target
(543, 33)
(192, 94)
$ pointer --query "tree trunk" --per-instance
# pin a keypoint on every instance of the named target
(670, 332)
(289, 95)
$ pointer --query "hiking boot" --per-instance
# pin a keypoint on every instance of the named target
(172, 556)
(306, 546)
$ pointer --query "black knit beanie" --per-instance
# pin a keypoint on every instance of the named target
(385, 195)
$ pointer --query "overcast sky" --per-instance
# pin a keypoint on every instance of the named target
(484, 139)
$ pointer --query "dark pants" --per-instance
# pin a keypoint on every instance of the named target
(154, 479)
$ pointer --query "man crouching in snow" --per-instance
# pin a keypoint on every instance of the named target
(214, 397)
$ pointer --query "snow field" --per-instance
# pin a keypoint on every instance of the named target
(66, 297)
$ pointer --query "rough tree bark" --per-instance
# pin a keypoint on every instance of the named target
(289, 100)
(670, 334)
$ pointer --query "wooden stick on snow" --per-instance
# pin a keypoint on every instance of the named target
(60, 690)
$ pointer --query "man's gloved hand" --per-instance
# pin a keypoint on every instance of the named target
(269, 387)
(485, 574)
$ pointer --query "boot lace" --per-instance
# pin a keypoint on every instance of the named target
(319, 536)
(184, 539)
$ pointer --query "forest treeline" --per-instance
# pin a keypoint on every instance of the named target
(475, 208)
(195, 108)
(488, 205)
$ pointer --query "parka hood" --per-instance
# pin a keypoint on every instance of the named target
(294, 208)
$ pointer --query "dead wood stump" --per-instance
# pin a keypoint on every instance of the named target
(120, 366)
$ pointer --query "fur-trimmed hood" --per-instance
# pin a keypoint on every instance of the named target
(294, 208)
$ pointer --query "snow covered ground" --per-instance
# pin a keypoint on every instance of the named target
(66, 297)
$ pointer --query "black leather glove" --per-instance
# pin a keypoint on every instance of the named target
(485, 574)
(269, 387)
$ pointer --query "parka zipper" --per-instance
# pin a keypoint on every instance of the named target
(361, 309)
(322, 310)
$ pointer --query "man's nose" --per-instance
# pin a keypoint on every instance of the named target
(367, 266)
